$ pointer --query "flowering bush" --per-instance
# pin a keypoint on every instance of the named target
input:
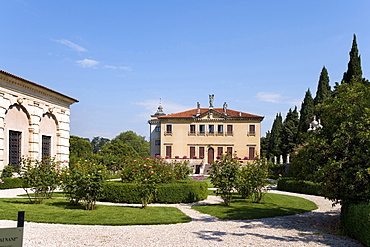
(252, 180)
(185, 157)
(224, 176)
(177, 157)
(83, 181)
(195, 157)
(41, 177)
(148, 173)
(246, 157)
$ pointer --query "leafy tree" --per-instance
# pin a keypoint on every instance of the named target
(276, 136)
(130, 138)
(289, 133)
(118, 149)
(97, 143)
(346, 174)
(354, 71)
(79, 148)
(306, 113)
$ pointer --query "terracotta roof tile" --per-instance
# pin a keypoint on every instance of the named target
(193, 112)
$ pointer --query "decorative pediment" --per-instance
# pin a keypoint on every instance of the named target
(211, 114)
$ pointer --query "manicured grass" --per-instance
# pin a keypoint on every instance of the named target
(60, 211)
(271, 205)
(53, 195)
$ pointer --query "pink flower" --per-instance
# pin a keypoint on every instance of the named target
(144, 165)
(169, 173)
(151, 172)
(1, 181)
(150, 166)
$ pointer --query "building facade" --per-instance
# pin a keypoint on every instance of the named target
(202, 134)
(34, 121)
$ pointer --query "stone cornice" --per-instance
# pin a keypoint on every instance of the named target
(26, 87)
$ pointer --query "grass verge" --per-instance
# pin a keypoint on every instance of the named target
(271, 205)
(59, 211)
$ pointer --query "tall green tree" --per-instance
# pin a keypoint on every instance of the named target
(79, 148)
(276, 136)
(354, 71)
(137, 142)
(323, 87)
(265, 142)
(289, 133)
(306, 113)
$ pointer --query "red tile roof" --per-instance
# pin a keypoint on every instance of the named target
(38, 85)
(193, 112)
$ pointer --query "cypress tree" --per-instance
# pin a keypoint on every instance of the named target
(323, 87)
(276, 136)
(354, 71)
(289, 134)
(306, 112)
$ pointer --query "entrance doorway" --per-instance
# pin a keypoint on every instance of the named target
(211, 155)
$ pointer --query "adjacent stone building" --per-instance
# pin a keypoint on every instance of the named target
(34, 121)
(203, 134)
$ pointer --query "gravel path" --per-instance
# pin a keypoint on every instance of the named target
(307, 229)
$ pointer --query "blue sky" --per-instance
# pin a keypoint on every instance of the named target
(118, 58)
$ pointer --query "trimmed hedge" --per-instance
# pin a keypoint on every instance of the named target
(182, 192)
(355, 221)
(11, 183)
(299, 186)
(117, 191)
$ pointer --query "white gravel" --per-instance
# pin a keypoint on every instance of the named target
(307, 229)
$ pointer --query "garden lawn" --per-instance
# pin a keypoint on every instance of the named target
(271, 205)
(60, 211)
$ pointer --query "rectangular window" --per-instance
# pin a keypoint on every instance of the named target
(211, 128)
(220, 129)
(229, 129)
(157, 142)
(168, 129)
(192, 129)
(202, 129)
(252, 152)
(157, 129)
(46, 146)
(220, 151)
(201, 152)
(192, 152)
(168, 151)
(230, 150)
(14, 148)
(252, 130)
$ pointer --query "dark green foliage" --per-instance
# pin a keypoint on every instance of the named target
(181, 192)
(79, 148)
(355, 221)
(275, 139)
(306, 113)
(118, 149)
(265, 142)
(138, 143)
(10, 183)
(289, 133)
(323, 88)
(97, 143)
(7, 172)
(300, 186)
(354, 71)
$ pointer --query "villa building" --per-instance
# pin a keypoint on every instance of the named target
(34, 121)
(202, 134)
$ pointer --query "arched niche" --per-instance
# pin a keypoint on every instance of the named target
(16, 133)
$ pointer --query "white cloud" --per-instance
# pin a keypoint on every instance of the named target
(87, 63)
(70, 45)
(126, 68)
(269, 97)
